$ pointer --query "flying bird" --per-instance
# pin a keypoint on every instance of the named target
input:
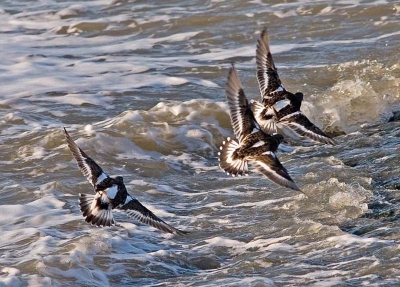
(110, 193)
(254, 145)
(280, 108)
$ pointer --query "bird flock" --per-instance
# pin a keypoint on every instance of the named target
(256, 125)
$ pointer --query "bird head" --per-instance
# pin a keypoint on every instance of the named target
(299, 96)
(279, 138)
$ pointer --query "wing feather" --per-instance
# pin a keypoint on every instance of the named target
(242, 117)
(90, 169)
(300, 124)
(267, 74)
(269, 165)
(139, 212)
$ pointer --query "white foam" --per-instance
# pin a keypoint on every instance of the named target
(72, 11)
(239, 247)
(351, 240)
(45, 211)
(65, 67)
(79, 99)
(10, 277)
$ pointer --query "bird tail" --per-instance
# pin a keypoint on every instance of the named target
(230, 163)
(96, 210)
(265, 117)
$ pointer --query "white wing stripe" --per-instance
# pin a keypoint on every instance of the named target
(102, 177)
(310, 134)
(112, 191)
(266, 167)
(259, 143)
(281, 104)
(128, 199)
(291, 115)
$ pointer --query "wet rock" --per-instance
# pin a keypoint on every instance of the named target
(205, 263)
(353, 162)
(395, 117)
(335, 133)
(262, 283)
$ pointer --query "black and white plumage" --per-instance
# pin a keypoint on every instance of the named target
(267, 74)
(280, 108)
(254, 145)
(110, 193)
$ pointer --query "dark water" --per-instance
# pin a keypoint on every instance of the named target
(140, 85)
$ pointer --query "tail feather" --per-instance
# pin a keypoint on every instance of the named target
(230, 163)
(95, 210)
(265, 117)
(85, 202)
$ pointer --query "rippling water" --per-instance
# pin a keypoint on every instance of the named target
(140, 85)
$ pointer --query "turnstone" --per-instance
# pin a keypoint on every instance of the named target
(110, 193)
(279, 107)
(254, 145)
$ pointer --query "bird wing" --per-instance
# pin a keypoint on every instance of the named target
(242, 117)
(90, 169)
(268, 164)
(300, 124)
(267, 73)
(139, 212)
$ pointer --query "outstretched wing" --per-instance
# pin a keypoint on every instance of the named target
(268, 164)
(90, 169)
(139, 212)
(242, 117)
(267, 74)
(300, 124)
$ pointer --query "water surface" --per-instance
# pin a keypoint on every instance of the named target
(140, 86)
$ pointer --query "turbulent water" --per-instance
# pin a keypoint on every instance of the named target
(140, 86)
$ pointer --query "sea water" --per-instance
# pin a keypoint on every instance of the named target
(140, 86)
